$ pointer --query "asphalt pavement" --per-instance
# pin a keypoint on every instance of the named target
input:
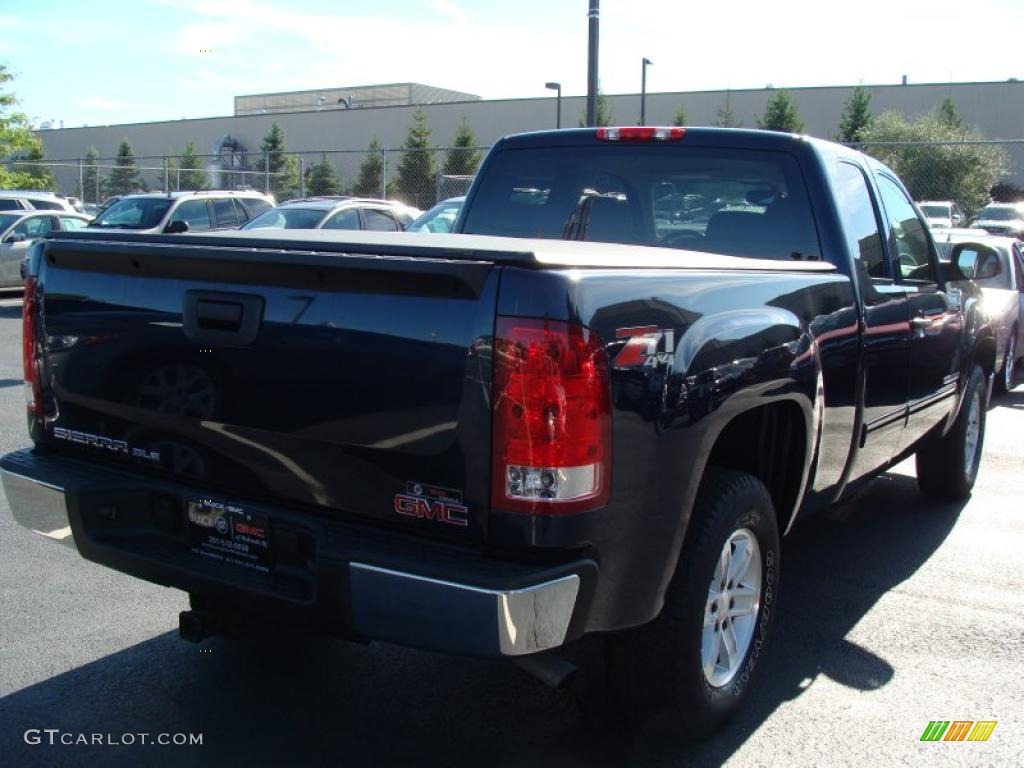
(892, 613)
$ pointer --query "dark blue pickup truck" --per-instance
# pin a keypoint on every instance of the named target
(648, 354)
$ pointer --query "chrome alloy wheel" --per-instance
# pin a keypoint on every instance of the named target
(732, 608)
(972, 436)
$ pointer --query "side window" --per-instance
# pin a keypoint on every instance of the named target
(253, 206)
(346, 219)
(48, 205)
(224, 212)
(37, 226)
(70, 223)
(195, 212)
(8, 204)
(859, 220)
(380, 221)
(908, 236)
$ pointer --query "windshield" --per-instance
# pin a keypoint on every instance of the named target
(936, 211)
(440, 218)
(736, 202)
(134, 213)
(992, 213)
(6, 219)
(287, 218)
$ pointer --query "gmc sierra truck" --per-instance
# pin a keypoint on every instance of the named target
(646, 354)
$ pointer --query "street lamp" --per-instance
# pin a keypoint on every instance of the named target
(558, 102)
(643, 91)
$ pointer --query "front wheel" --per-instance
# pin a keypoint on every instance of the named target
(948, 466)
(691, 668)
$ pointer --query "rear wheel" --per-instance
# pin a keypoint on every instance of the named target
(948, 466)
(691, 668)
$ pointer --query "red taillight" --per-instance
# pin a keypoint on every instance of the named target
(640, 133)
(30, 349)
(552, 430)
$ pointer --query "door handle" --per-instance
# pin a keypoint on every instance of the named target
(228, 319)
(921, 322)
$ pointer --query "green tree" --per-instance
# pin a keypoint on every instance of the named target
(949, 116)
(283, 169)
(191, 175)
(856, 118)
(321, 179)
(933, 159)
(462, 159)
(780, 114)
(124, 177)
(16, 137)
(371, 172)
(726, 118)
(92, 191)
(603, 112)
(416, 168)
(42, 176)
(681, 118)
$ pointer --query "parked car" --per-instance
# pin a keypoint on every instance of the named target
(32, 200)
(570, 419)
(440, 218)
(91, 209)
(943, 213)
(337, 213)
(1001, 219)
(18, 229)
(1004, 297)
(176, 212)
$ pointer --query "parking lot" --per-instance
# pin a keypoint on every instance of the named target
(893, 612)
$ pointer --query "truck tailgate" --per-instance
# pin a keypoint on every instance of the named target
(354, 385)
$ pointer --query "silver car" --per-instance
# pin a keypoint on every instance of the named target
(177, 212)
(18, 230)
(1003, 297)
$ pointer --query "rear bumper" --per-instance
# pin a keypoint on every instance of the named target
(341, 578)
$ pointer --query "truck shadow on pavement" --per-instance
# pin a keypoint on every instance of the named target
(320, 701)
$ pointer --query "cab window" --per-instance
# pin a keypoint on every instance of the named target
(908, 235)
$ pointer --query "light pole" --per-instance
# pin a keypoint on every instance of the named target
(643, 91)
(558, 102)
(594, 27)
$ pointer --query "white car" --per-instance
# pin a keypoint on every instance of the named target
(177, 212)
(1001, 219)
(33, 200)
(1003, 297)
(943, 213)
(337, 212)
(18, 230)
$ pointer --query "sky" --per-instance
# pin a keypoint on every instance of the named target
(102, 63)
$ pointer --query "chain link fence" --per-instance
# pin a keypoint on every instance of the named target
(420, 177)
(969, 172)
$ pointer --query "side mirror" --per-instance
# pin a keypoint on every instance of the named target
(176, 227)
(16, 238)
(975, 261)
(957, 219)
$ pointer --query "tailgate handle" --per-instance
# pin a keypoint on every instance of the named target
(216, 317)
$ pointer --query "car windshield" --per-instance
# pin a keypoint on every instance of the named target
(736, 202)
(134, 213)
(1000, 213)
(440, 218)
(287, 218)
(936, 211)
(1002, 280)
(6, 219)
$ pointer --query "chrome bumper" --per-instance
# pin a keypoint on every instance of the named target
(391, 604)
(38, 505)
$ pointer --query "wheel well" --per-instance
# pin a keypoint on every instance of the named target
(770, 443)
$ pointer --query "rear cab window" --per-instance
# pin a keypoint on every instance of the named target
(738, 202)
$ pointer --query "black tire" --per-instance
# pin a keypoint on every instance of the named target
(1004, 379)
(943, 470)
(655, 671)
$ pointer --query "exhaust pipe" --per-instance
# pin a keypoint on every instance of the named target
(551, 669)
(195, 626)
